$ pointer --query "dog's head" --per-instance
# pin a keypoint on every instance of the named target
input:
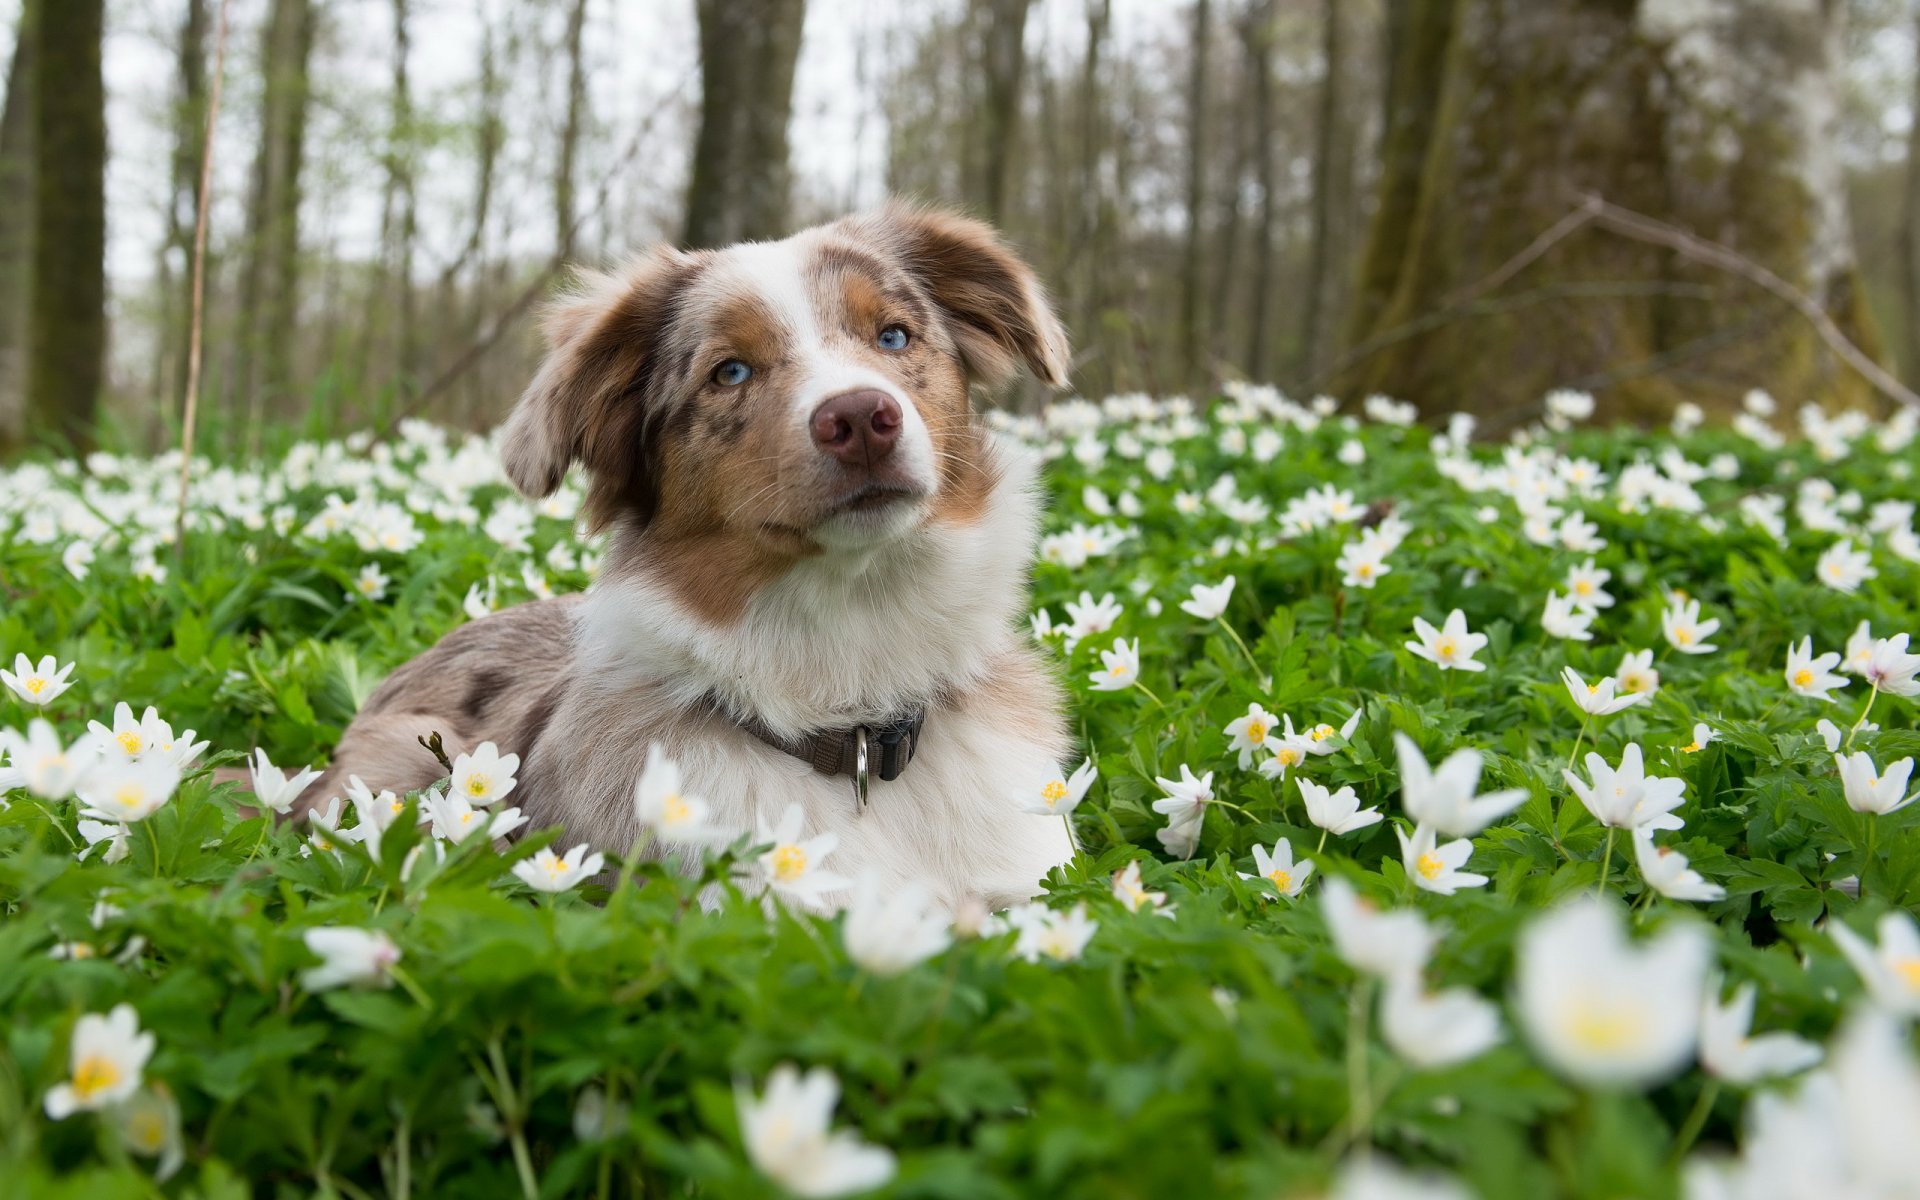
(788, 397)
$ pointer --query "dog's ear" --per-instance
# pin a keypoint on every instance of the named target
(602, 338)
(999, 313)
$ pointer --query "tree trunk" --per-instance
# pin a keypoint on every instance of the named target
(1910, 232)
(1719, 119)
(997, 31)
(1193, 351)
(563, 204)
(16, 237)
(399, 215)
(748, 50)
(269, 293)
(1328, 172)
(67, 317)
(183, 202)
(1257, 37)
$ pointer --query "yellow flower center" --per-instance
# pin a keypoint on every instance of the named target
(674, 809)
(1430, 865)
(1593, 689)
(1288, 756)
(130, 795)
(556, 866)
(1054, 792)
(789, 863)
(397, 806)
(1281, 879)
(1446, 648)
(1118, 668)
(1364, 570)
(478, 784)
(1908, 969)
(1803, 678)
(1322, 732)
(1692, 747)
(36, 684)
(1683, 635)
(1602, 1031)
(1583, 587)
(130, 741)
(147, 1131)
(94, 1074)
(80, 950)
(466, 818)
(1256, 732)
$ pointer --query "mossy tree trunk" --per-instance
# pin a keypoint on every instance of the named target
(67, 313)
(741, 174)
(997, 40)
(1716, 118)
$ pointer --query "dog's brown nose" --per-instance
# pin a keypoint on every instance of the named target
(858, 428)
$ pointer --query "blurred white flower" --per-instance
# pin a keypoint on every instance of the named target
(1729, 1050)
(272, 787)
(1843, 568)
(788, 1137)
(148, 1124)
(791, 868)
(47, 768)
(1444, 798)
(1668, 872)
(37, 683)
(887, 932)
(550, 872)
(662, 804)
(1121, 667)
(1562, 618)
(1636, 673)
(1060, 795)
(1133, 894)
(370, 584)
(1685, 631)
(1626, 797)
(361, 957)
(1437, 1029)
(105, 1060)
(1891, 969)
(1045, 933)
(1587, 586)
(1870, 791)
(1209, 602)
(127, 791)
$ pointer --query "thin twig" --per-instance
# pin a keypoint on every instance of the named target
(1642, 228)
(195, 327)
(1556, 233)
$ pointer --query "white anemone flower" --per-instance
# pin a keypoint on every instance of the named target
(1434, 866)
(791, 868)
(1339, 813)
(1444, 797)
(1627, 797)
(1668, 872)
(360, 957)
(1120, 667)
(1562, 618)
(1808, 675)
(1132, 893)
(1685, 631)
(127, 791)
(1843, 568)
(1047, 934)
(1208, 603)
(1437, 1029)
(1637, 673)
(273, 788)
(887, 932)
(550, 872)
(1250, 733)
(1599, 698)
(1279, 868)
(1891, 969)
(1451, 647)
(1060, 795)
(1891, 669)
(37, 683)
(662, 804)
(1587, 586)
(789, 1137)
(1871, 791)
(1730, 1051)
(1605, 1010)
(48, 768)
(483, 775)
(104, 1063)
(1386, 944)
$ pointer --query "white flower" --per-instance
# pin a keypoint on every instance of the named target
(1434, 867)
(1587, 586)
(1444, 798)
(362, 957)
(271, 786)
(676, 816)
(76, 558)
(1323, 739)
(1627, 797)
(888, 932)
(1044, 933)
(127, 791)
(1860, 646)
(1450, 647)
(104, 1063)
(1383, 944)
(1437, 1029)
(1185, 808)
(1891, 669)
(1667, 871)
(1087, 616)
(1122, 667)
(788, 1136)
(1289, 750)
(1729, 1051)
(1339, 813)
(1890, 970)
(144, 739)
(1278, 868)
(370, 584)
(1636, 673)
(550, 872)
(1869, 791)
(148, 1124)
(1602, 1009)
(1362, 563)
(1375, 1178)
(484, 775)
(454, 820)
(1250, 733)
(792, 867)
(1562, 618)
(1598, 699)
(1059, 796)
(1685, 631)
(1811, 676)
(48, 769)
(1131, 892)
(477, 604)
(1843, 568)
(111, 832)
(37, 683)
(1209, 602)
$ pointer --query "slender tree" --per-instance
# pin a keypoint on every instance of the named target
(740, 180)
(1910, 228)
(67, 317)
(998, 34)
(1193, 350)
(183, 198)
(1256, 36)
(16, 236)
(570, 131)
(1329, 169)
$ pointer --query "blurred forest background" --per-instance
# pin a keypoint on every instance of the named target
(1463, 203)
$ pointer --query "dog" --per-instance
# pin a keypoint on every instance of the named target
(817, 560)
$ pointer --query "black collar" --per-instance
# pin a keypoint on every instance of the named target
(861, 752)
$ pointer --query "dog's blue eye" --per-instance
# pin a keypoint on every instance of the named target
(893, 337)
(732, 373)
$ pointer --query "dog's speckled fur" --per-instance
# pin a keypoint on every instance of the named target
(738, 577)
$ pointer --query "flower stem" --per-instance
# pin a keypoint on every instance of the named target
(1606, 863)
(511, 1112)
(1866, 863)
(1696, 1121)
(1149, 691)
(1323, 842)
(1238, 641)
(1359, 1102)
(1865, 709)
(1574, 756)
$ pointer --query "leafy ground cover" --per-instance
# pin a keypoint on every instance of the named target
(1506, 820)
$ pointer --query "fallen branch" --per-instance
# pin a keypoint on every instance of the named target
(1640, 227)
